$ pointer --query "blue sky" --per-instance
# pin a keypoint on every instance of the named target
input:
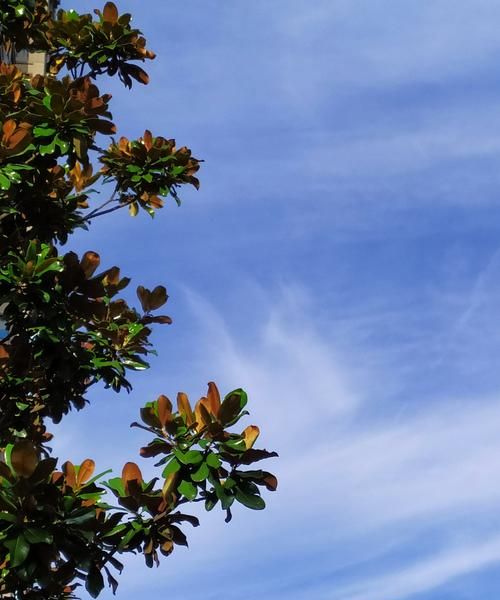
(342, 263)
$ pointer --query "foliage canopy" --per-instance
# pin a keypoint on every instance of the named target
(68, 328)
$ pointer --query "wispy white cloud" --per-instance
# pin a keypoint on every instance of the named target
(287, 367)
(424, 575)
(395, 476)
(325, 117)
(358, 484)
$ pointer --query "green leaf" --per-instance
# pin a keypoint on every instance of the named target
(192, 457)
(82, 518)
(210, 502)
(213, 461)
(116, 484)
(127, 538)
(38, 536)
(187, 489)
(41, 131)
(48, 148)
(4, 182)
(172, 467)
(57, 104)
(118, 529)
(18, 549)
(250, 500)
(238, 445)
(7, 455)
(135, 365)
(46, 102)
(201, 474)
(50, 264)
(96, 477)
(63, 145)
(94, 583)
(232, 406)
(5, 516)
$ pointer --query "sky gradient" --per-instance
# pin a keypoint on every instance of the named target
(341, 262)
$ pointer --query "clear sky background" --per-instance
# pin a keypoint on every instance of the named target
(342, 263)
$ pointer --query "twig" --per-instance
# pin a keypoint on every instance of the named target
(110, 210)
(96, 211)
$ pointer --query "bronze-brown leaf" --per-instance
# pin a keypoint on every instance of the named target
(18, 140)
(250, 434)
(270, 481)
(148, 139)
(69, 474)
(112, 276)
(137, 73)
(185, 408)
(202, 414)
(8, 129)
(164, 410)
(158, 297)
(89, 263)
(110, 12)
(24, 458)
(144, 294)
(131, 474)
(213, 398)
(85, 472)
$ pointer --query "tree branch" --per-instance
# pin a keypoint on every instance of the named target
(97, 210)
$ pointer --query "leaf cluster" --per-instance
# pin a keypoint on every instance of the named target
(146, 169)
(52, 361)
(105, 46)
(68, 324)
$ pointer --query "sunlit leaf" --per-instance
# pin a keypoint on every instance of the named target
(213, 397)
(187, 489)
(250, 434)
(201, 474)
(169, 486)
(164, 409)
(184, 408)
(85, 471)
(131, 473)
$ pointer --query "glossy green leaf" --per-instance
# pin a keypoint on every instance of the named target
(201, 474)
(4, 182)
(187, 489)
(19, 549)
(213, 461)
(250, 500)
(192, 457)
(172, 467)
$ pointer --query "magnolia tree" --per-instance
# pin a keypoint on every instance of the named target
(66, 328)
